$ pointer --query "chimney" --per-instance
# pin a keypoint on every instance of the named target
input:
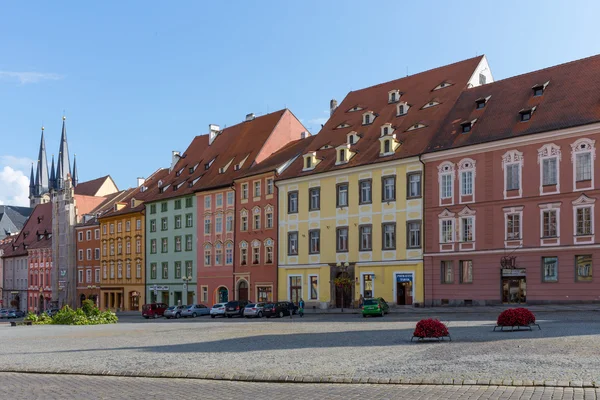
(332, 106)
(304, 135)
(213, 132)
(250, 117)
(140, 181)
(174, 158)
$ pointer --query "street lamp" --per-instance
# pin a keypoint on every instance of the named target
(186, 280)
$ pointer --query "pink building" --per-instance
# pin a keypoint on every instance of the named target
(510, 192)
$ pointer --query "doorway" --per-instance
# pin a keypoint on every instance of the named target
(242, 290)
(81, 300)
(223, 295)
(514, 290)
(400, 294)
(41, 304)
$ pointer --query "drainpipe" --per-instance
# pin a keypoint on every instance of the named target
(423, 228)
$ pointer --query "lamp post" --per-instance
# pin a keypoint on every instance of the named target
(186, 280)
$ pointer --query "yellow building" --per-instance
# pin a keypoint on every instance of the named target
(350, 208)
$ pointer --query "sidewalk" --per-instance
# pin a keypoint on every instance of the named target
(465, 309)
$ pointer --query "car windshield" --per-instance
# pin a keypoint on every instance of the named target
(218, 305)
(371, 302)
(171, 308)
(250, 305)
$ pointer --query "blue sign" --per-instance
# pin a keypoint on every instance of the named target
(404, 277)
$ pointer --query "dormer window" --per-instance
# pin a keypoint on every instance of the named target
(432, 103)
(208, 164)
(418, 125)
(350, 139)
(342, 126)
(238, 166)
(402, 108)
(193, 169)
(526, 114)
(368, 118)
(386, 129)
(342, 156)
(353, 138)
(356, 108)
(442, 85)
(480, 103)
(466, 127)
(393, 96)
(310, 161)
(192, 183)
(538, 90)
(386, 146)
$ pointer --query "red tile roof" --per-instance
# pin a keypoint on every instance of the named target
(40, 222)
(571, 98)
(90, 188)
(417, 90)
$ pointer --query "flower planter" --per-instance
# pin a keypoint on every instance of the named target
(430, 329)
(516, 319)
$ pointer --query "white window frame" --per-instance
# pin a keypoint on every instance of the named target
(547, 152)
(512, 157)
(581, 146)
(362, 283)
(308, 287)
(289, 288)
(466, 165)
(550, 241)
(509, 211)
(446, 169)
(584, 202)
(446, 215)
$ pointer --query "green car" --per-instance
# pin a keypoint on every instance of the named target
(376, 306)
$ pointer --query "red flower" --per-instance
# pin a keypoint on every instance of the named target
(516, 317)
(430, 328)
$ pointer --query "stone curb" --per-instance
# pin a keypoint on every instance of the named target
(310, 379)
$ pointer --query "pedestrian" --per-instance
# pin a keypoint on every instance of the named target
(361, 301)
(301, 307)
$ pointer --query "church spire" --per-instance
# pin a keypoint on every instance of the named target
(74, 177)
(52, 182)
(41, 179)
(31, 184)
(63, 168)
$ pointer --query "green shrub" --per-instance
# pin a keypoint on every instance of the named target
(89, 314)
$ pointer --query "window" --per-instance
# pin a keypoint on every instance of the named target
(342, 195)
(164, 224)
(414, 185)
(292, 202)
(269, 217)
(138, 246)
(244, 222)
(188, 242)
(447, 234)
(218, 254)
(256, 222)
(549, 223)
(178, 204)
(104, 229)
(138, 270)
(314, 287)
(104, 254)
(96, 254)
(583, 268)
(189, 202)
(112, 271)
(229, 223)
(342, 239)
(80, 236)
(583, 166)
(538, 90)
(414, 234)
(387, 146)
(88, 276)
(315, 199)
(549, 269)
(366, 236)
(367, 119)
(269, 254)
(153, 246)
(512, 176)
(230, 197)
(79, 276)
(177, 269)
(257, 189)
(97, 275)
(549, 171)
(165, 270)
(97, 234)
(127, 226)
(269, 185)
(479, 104)
(584, 220)
(342, 157)
(165, 245)
(446, 189)
(466, 229)
(89, 254)
(128, 247)
(244, 191)
(207, 226)
(88, 235)
(80, 252)
(466, 271)
(295, 284)
(447, 272)
(112, 228)
(219, 200)
(207, 202)
(293, 243)
(229, 253)
(244, 256)
(128, 270)
(525, 115)
(152, 208)
(205, 294)
(389, 236)
(189, 220)
(466, 127)
(153, 271)
(105, 273)
(513, 226)
(164, 207)
(152, 225)
(365, 193)
(256, 255)
(466, 183)
(388, 188)
(207, 254)
(314, 241)
(177, 243)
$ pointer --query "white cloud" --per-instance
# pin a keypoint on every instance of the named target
(29, 77)
(14, 180)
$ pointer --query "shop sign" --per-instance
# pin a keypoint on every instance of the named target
(513, 272)
(157, 288)
(404, 277)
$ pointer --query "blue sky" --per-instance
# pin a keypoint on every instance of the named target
(139, 79)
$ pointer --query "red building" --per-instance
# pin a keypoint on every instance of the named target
(510, 192)
(87, 235)
(37, 240)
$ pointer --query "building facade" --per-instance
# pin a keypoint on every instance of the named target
(88, 261)
(511, 191)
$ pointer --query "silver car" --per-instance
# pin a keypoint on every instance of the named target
(195, 310)
(174, 311)
(4, 313)
(218, 310)
(254, 310)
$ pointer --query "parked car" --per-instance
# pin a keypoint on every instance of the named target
(235, 308)
(254, 310)
(4, 313)
(174, 311)
(153, 310)
(15, 314)
(377, 306)
(217, 310)
(195, 310)
(279, 309)
(292, 307)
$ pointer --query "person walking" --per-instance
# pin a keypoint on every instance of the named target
(301, 307)
(361, 301)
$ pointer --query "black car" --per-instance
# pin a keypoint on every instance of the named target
(235, 308)
(279, 309)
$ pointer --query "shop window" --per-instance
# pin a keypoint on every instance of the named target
(447, 272)
(466, 271)
(549, 269)
(583, 268)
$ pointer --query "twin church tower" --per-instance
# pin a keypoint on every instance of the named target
(42, 183)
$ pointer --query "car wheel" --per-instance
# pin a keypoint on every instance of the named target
(212, 316)
(146, 317)
(364, 315)
(260, 314)
(177, 316)
(280, 314)
(194, 315)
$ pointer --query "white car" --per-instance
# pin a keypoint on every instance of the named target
(217, 310)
